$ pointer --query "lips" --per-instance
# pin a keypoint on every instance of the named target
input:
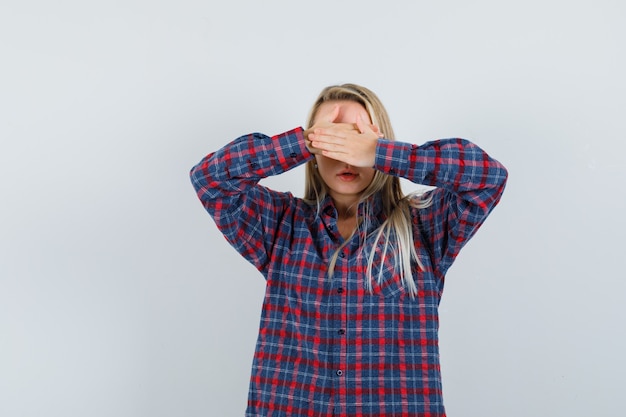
(347, 175)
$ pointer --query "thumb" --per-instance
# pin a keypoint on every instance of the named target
(363, 127)
(376, 130)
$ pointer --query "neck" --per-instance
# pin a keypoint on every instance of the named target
(345, 209)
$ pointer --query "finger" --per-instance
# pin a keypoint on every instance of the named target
(365, 127)
(338, 127)
(331, 115)
(338, 156)
(376, 130)
(337, 147)
(331, 134)
(328, 134)
(362, 125)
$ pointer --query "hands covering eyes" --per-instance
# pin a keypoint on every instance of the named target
(352, 143)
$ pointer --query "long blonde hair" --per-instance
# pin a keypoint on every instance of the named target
(396, 232)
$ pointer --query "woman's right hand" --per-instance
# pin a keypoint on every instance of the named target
(325, 118)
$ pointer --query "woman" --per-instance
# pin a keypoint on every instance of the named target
(355, 269)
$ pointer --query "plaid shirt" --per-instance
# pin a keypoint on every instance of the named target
(328, 346)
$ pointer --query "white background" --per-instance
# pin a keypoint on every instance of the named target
(118, 296)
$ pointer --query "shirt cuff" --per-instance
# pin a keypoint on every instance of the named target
(393, 157)
(290, 148)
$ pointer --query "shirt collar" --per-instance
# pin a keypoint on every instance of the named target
(327, 207)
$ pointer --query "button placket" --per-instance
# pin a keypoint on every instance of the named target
(342, 271)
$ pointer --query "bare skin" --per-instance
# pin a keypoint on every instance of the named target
(344, 141)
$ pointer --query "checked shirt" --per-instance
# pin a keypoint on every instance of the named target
(329, 346)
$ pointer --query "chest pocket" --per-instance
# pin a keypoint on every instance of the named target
(389, 286)
(386, 281)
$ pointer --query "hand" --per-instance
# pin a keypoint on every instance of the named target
(326, 119)
(356, 146)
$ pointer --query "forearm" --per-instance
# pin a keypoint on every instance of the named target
(226, 182)
(456, 165)
(241, 164)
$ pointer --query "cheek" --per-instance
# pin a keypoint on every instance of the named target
(323, 166)
(324, 162)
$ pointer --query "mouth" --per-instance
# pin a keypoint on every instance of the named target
(347, 175)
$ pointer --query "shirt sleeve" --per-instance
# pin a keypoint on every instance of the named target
(469, 185)
(227, 183)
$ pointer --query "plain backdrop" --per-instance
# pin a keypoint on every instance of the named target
(119, 297)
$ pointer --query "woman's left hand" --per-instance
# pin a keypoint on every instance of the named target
(356, 148)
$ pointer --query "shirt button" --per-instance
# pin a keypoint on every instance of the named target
(331, 227)
(339, 372)
(339, 290)
(293, 154)
(341, 331)
(341, 254)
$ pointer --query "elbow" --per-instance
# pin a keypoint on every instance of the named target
(503, 175)
(500, 180)
(199, 175)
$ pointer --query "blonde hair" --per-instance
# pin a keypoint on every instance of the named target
(396, 232)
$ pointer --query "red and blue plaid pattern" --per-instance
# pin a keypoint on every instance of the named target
(330, 347)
